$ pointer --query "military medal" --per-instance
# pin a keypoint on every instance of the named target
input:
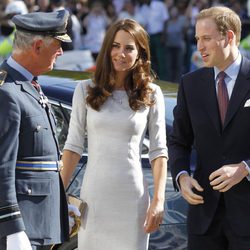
(43, 100)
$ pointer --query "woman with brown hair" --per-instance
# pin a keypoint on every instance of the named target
(116, 109)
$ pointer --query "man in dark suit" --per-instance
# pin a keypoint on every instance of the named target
(213, 115)
(33, 206)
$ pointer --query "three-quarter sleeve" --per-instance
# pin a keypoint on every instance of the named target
(157, 126)
(77, 126)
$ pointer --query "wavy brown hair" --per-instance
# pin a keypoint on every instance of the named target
(136, 83)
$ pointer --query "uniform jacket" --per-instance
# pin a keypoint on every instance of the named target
(33, 201)
(197, 122)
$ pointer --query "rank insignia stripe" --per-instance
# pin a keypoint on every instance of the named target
(3, 75)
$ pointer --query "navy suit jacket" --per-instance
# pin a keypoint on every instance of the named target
(197, 123)
(33, 201)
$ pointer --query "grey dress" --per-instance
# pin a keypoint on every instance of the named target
(113, 185)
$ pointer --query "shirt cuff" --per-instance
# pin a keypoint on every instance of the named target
(179, 174)
(248, 170)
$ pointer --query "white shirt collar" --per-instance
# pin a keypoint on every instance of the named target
(231, 71)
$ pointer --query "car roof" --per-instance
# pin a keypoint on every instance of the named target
(57, 88)
(59, 85)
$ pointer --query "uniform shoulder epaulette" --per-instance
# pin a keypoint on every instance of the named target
(3, 75)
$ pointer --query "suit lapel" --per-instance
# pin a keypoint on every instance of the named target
(241, 88)
(19, 79)
(28, 87)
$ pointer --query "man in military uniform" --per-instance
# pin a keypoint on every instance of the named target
(33, 207)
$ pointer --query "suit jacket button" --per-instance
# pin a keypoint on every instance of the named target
(29, 191)
(38, 127)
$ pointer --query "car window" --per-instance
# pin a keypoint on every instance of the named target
(144, 149)
(60, 114)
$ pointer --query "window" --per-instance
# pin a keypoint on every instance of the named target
(62, 115)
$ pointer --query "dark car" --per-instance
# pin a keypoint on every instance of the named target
(59, 88)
